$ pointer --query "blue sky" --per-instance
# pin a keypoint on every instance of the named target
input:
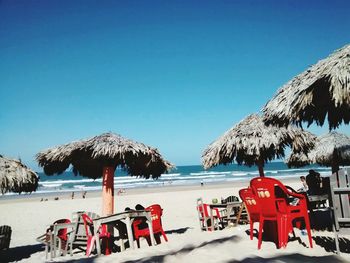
(171, 74)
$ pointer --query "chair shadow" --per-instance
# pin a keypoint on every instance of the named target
(265, 239)
(178, 231)
(160, 258)
(188, 249)
(19, 253)
(292, 258)
(328, 243)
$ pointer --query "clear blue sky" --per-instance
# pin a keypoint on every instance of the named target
(171, 74)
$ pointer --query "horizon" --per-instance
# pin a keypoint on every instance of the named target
(172, 75)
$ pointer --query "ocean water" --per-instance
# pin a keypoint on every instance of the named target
(182, 175)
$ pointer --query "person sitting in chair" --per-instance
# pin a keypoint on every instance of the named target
(314, 182)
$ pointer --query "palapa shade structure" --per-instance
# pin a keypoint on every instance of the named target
(320, 91)
(251, 142)
(331, 149)
(99, 157)
(16, 177)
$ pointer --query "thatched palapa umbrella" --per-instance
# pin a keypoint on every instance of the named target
(16, 177)
(320, 91)
(251, 142)
(331, 149)
(99, 156)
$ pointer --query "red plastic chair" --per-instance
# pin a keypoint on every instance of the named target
(276, 208)
(252, 206)
(62, 235)
(156, 214)
(91, 240)
(204, 215)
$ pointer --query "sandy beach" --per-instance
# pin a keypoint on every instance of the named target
(30, 217)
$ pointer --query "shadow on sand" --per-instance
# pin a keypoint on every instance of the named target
(178, 231)
(328, 243)
(160, 258)
(19, 253)
(292, 259)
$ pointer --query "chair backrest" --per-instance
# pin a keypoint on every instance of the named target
(202, 208)
(203, 214)
(88, 225)
(62, 233)
(232, 199)
(252, 205)
(77, 218)
(5, 236)
(340, 191)
(156, 214)
(264, 189)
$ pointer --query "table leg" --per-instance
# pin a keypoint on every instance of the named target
(97, 238)
(150, 226)
(211, 219)
(53, 245)
(239, 214)
(130, 235)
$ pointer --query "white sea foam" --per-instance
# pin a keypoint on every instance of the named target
(80, 186)
(50, 185)
(211, 172)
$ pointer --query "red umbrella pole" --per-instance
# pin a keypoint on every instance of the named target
(108, 191)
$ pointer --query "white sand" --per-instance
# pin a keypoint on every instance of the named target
(29, 219)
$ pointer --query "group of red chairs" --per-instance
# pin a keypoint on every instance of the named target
(267, 199)
(138, 226)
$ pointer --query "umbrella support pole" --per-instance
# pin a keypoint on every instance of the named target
(108, 203)
(108, 191)
(261, 168)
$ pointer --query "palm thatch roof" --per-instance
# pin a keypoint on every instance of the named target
(16, 177)
(88, 157)
(322, 90)
(251, 142)
(331, 149)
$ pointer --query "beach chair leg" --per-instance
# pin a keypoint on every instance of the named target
(307, 225)
(164, 235)
(46, 250)
(239, 214)
(122, 245)
(336, 242)
(261, 224)
(251, 230)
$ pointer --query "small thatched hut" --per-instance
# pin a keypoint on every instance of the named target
(331, 149)
(16, 177)
(322, 90)
(251, 142)
(100, 156)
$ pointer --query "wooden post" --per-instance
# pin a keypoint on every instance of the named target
(261, 167)
(108, 191)
(335, 163)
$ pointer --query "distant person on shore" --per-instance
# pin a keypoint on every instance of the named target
(305, 187)
(120, 191)
(202, 183)
(72, 196)
(314, 182)
(84, 194)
